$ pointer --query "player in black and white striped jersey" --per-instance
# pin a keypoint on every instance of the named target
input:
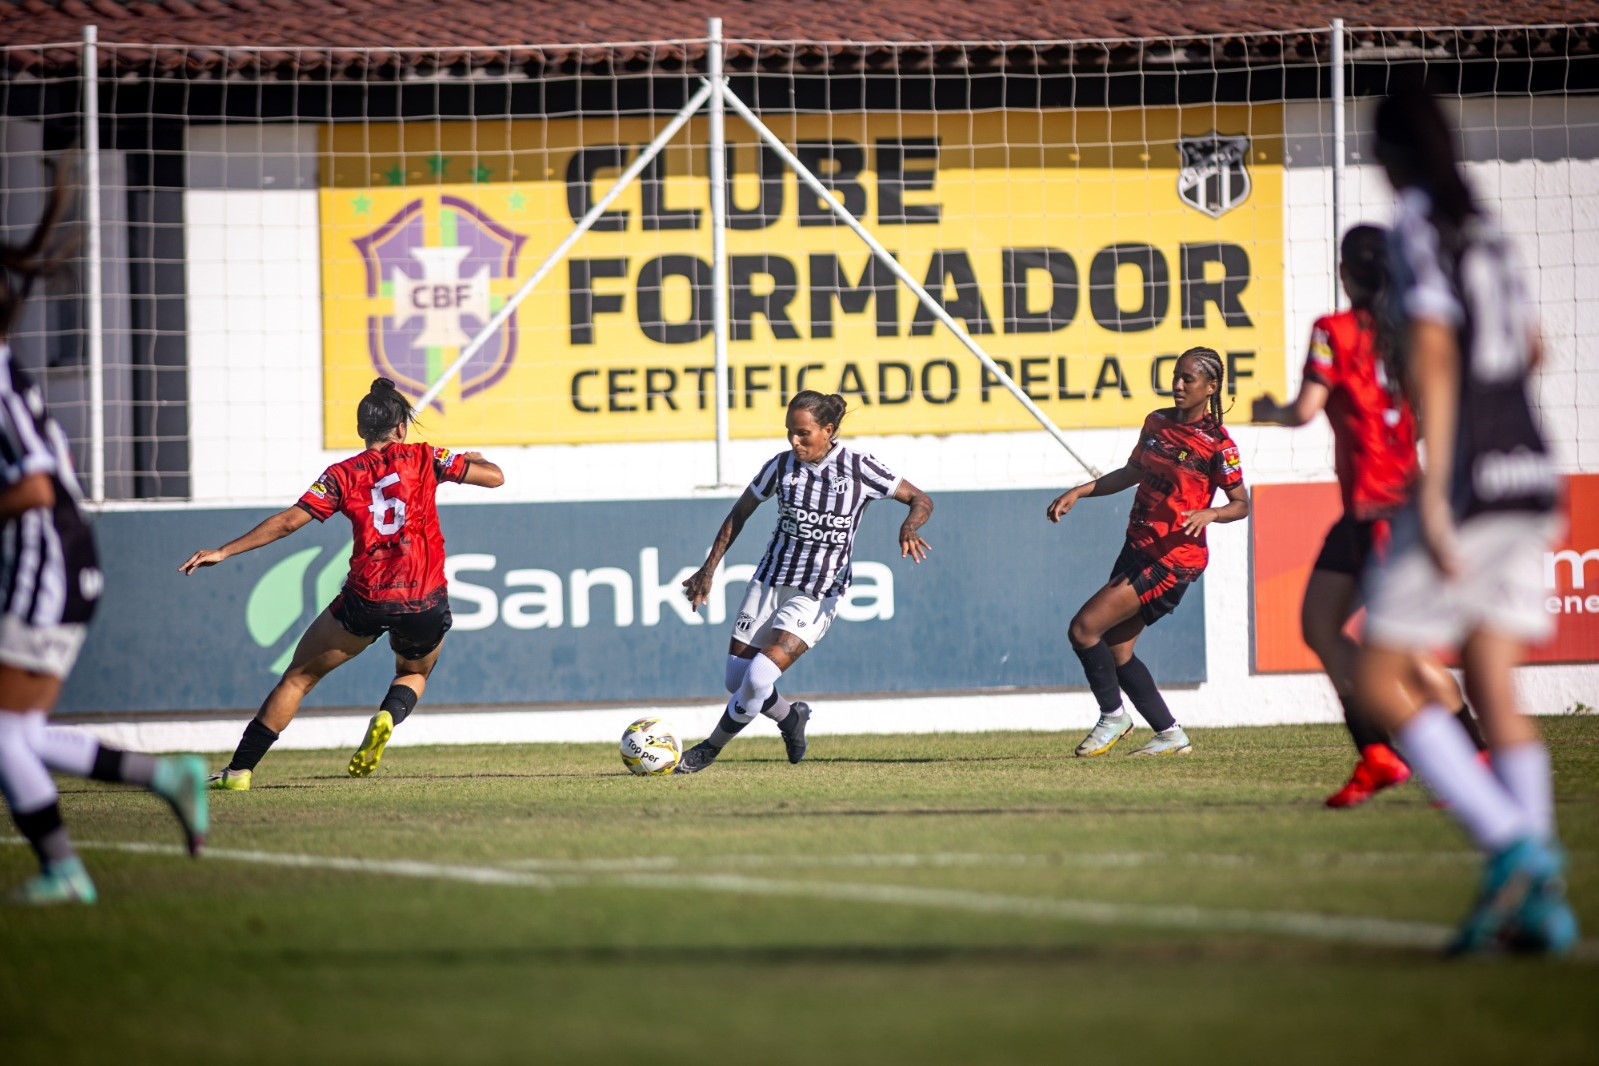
(49, 585)
(822, 489)
(1465, 567)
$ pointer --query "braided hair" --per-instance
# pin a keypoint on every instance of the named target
(1210, 365)
(381, 410)
(828, 410)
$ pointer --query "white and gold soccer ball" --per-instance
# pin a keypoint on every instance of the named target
(650, 748)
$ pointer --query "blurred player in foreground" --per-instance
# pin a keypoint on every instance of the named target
(822, 490)
(50, 582)
(1374, 437)
(1465, 568)
(1183, 456)
(396, 583)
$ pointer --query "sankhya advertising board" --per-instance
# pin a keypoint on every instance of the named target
(582, 602)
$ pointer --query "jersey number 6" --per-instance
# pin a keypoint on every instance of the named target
(388, 512)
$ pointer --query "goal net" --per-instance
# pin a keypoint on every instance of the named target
(280, 227)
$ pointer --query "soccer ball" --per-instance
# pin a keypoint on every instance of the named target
(650, 748)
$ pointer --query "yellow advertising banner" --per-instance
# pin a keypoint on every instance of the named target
(1084, 250)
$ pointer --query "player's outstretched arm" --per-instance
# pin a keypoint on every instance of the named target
(1104, 485)
(697, 588)
(1310, 402)
(277, 527)
(910, 543)
(481, 472)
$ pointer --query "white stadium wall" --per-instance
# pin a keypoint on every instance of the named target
(256, 388)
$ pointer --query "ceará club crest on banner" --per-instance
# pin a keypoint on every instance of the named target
(1214, 177)
(431, 273)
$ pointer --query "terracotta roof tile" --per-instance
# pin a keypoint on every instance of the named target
(321, 34)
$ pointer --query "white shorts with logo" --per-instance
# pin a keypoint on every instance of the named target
(1500, 586)
(41, 649)
(767, 608)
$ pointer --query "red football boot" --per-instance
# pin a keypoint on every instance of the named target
(1379, 767)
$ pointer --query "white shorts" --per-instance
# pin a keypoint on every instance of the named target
(771, 607)
(41, 649)
(1410, 605)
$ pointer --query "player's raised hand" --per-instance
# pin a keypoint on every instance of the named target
(697, 587)
(208, 557)
(912, 546)
(1264, 409)
(1061, 505)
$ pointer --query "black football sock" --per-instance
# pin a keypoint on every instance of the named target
(252, 746)
(1140, 687)
(727, 727)
(126, 767)
(1099, 666)
(1361, 731)
(45, 833)
(400, 702)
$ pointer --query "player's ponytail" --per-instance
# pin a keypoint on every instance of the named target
(828, 410)
(39, 255)
(1210, 364)
(380, 411)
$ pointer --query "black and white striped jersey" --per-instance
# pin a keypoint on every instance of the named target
(1468, 281)
(819, 508)
(49, 572)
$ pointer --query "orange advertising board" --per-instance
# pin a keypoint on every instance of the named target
(1289, 522)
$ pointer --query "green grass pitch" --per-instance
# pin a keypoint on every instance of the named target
(978, 898)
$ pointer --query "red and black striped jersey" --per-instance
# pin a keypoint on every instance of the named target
(388, 496)
(1180, 465)
(1374, 432)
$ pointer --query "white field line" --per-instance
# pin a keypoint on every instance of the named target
(475, 875)
(982, 860)
(1324, 927)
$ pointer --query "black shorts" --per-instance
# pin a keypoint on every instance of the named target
(1160, 586)
(414, 628)
(1350, 543)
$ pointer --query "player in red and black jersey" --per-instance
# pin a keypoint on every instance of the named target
(1374, 456)
(396, 583)
(1183, 456)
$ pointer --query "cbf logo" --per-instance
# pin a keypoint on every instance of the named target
(288, 597)
(1215, 175)
(433, 264)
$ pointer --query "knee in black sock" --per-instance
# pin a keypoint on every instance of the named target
(1099, 666)
(399, 702)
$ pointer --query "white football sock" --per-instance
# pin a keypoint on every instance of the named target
(733, 673)
(1524, 771)
(1436, 745)
(66, 751)
(23, 776)
(755, 690)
